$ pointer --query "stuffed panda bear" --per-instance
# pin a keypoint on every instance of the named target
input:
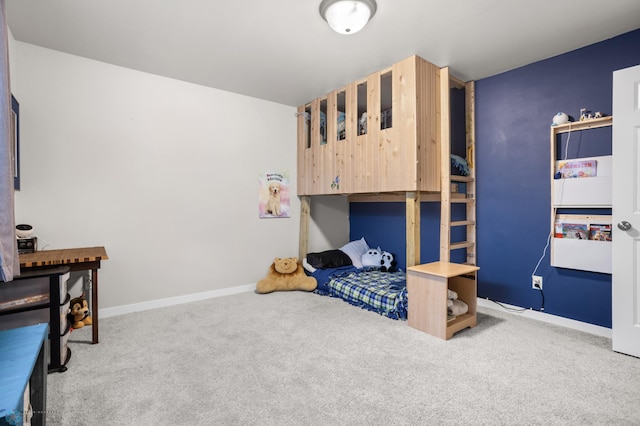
(388, 262)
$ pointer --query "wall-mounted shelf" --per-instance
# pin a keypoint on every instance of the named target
(573, 126)
(573, 249)
(585, 192)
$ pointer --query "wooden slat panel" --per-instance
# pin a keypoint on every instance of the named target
(361, 140)
(384, 138)
(348, 182)
(329, 154)
(315, 145)
(373, 179)
(428, 125)
(401, 151)
(320, 166)
(340, 155)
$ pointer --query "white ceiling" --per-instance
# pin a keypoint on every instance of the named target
(283, 51)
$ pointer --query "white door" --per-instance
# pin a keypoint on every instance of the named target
(626, 211)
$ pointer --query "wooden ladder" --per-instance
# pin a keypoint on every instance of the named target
(447, 194)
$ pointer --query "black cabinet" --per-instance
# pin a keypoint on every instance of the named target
(35, 297)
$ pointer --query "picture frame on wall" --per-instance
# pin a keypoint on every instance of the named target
(15, 146)
(273, 195)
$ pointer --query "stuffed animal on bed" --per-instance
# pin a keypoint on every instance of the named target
(376, 258)
(388, 262)
(286, 274)
(372, 257)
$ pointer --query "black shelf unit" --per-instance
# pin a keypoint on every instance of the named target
(40, 296)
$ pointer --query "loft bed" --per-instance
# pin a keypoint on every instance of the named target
(387, 138)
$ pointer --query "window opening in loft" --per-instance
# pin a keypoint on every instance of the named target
(341, 103)
(323, 122)
(362, 108)
(386, 99)
(307, 126)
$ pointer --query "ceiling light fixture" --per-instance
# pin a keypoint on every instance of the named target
(347, 16)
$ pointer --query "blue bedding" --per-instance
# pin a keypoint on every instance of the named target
(324, 276)
(371, 289)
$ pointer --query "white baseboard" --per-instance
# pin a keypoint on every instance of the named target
(548, 318)
(170, 301)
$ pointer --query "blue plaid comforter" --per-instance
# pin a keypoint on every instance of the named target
(381, 292)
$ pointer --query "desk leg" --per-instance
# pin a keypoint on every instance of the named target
(94, 304)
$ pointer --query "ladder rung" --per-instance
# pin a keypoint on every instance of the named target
(463, 244)
(463, 223)
(456, 178)
(463, 200)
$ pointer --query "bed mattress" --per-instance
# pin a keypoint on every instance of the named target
(374, 290)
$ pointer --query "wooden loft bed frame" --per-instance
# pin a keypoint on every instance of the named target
(408, 161)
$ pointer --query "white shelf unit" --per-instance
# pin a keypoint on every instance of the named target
(581, 193)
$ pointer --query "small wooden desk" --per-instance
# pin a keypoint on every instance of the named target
(78, 259)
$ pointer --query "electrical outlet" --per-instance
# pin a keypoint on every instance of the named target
(536, 282)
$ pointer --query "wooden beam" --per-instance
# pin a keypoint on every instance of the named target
(391, 197)
(470, 102)
(413, 228)
(445, 166)
(305, 218)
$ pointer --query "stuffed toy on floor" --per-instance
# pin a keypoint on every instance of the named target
(79, 312)
(286, 274)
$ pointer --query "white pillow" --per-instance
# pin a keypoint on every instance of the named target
(355, 250)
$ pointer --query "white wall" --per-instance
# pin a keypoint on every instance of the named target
(162, 173)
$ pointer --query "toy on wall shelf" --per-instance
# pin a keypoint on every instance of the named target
(560, 118)
(588, 115)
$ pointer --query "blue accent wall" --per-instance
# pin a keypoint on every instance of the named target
(513, 114)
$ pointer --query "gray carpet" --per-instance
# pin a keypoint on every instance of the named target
(302, 359)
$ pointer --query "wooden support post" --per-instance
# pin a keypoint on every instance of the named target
(470, 102)
(305, 218)
(445, 167)
(413, 228)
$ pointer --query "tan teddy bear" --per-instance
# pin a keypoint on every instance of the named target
(286, 274)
